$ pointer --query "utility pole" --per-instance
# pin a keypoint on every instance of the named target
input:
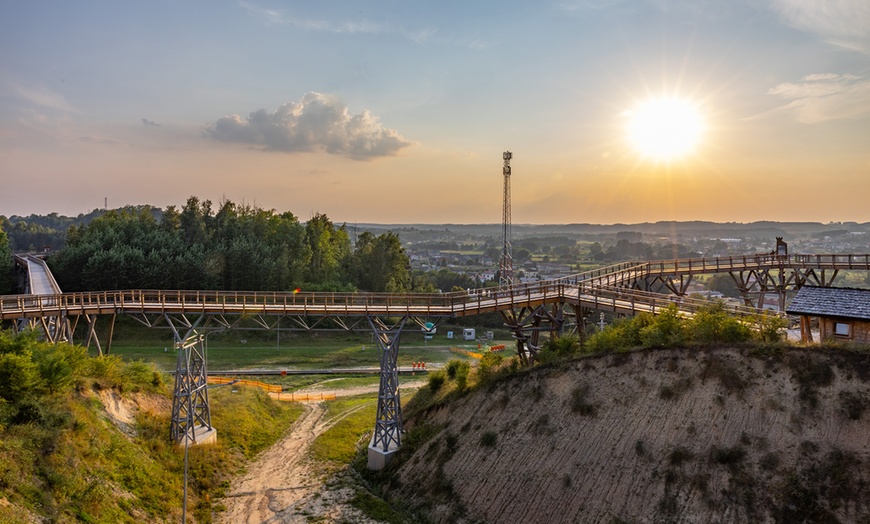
(506, 266)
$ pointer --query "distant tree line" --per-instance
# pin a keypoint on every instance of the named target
(236, 247)
(627, 250)
(43, 232)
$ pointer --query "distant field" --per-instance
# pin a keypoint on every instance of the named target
(237, 350)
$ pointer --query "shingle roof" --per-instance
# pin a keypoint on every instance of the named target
(831, 302)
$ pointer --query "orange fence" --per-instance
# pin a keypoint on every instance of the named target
(271, 388)
(274, 391)
(497, 347)
(302, 397)
(472, 354)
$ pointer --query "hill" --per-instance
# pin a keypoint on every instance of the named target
(85, 439)
(691, 435)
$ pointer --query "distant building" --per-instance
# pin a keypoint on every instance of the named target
(843, 313)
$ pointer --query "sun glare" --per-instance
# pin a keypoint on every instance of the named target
(665, 129)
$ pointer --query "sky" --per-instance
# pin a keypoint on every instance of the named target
(399, 112)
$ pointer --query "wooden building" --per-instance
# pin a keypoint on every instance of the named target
(843, 313)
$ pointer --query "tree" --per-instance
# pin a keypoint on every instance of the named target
(724, 284)
(6, 275)
(329, 248)
(381, 264)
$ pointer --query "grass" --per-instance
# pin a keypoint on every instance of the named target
(226, 352)
(338, 444)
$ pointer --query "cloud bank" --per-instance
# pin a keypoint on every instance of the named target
(845, 23)
(822, 97)
(317, 122)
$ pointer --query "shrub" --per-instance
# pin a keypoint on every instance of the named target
(667, 330)
(559, 348)
(579, 402)
(852, 404)
(606, 341)
(458, 370)
(729, 457)
(713, 324)
(489, 439)
(19, 376)
(488, 366)
(771, 327)
(436, 380)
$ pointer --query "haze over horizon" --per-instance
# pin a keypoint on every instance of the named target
(617, 111)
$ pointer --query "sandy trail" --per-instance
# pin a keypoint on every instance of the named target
(279, 478)
(284, 485)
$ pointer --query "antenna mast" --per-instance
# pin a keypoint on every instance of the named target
(506, 266)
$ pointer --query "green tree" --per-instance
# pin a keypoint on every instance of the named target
(329, 247)
(724, 284)
(381, 263)
(6, 268)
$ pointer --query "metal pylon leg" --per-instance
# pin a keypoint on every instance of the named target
(388, 423)
(191, 414)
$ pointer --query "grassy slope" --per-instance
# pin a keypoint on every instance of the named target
(62, 459)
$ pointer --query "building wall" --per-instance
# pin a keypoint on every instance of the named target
(859, 330)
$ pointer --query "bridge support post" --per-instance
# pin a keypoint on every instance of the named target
(191, 414)
(388, 423)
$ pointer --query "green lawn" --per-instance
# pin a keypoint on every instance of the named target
(238, 350)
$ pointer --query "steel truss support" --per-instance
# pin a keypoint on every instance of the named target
(296, 323)
(388, 423)
(527, 325)
(191, 414)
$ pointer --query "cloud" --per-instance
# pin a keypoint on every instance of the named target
(41, 96)
(845, 23)
(276, 17)
(317, 122)
(146, 122)
(272, 17)
(99, 140)
(823, 97)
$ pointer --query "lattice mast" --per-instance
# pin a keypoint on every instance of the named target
(506, 266)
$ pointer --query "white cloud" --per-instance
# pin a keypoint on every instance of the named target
(41, 96)
(822, 97)
(317, 122)
(845, 23)
(276, 17)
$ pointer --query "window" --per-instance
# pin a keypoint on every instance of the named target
(841, 329)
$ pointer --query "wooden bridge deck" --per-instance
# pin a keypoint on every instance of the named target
(600, 289)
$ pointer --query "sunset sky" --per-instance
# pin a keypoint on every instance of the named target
(398, 112)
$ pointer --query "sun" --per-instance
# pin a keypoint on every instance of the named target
(665, 129)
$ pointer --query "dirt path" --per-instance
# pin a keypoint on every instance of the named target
(285, 486)
(280, 478)
(323, 386)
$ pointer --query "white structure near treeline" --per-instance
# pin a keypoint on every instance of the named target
(468, 334)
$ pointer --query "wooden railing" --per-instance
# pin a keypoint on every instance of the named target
(599, 282)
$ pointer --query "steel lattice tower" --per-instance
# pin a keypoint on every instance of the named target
(506, 266)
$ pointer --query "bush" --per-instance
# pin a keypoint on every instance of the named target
(489, 439)
(713, 325)
(666, 331)
(770, 327)
(488, 366)
(436, 380)
(559, 348)
(606, 341)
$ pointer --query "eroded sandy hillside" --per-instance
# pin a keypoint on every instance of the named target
(654, 436)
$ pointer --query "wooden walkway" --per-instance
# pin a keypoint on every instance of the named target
(605, 288)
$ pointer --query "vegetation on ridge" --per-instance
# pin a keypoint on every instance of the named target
(64, 458)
